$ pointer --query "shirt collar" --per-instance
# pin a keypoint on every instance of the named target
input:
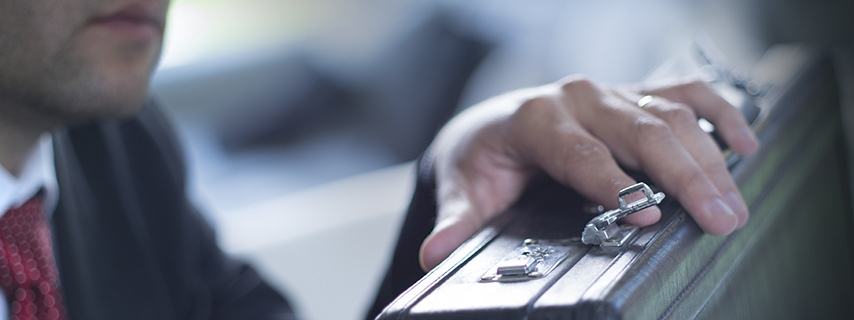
(39, 174)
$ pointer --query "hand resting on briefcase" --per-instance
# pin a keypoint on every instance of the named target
(528, 260)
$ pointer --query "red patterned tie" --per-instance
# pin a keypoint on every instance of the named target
(28, 272)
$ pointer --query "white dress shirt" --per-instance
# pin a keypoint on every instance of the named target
(39, 174)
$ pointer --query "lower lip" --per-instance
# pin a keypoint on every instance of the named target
(132, 29)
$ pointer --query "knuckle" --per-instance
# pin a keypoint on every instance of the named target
(534, 108)
(531, 113)
(690, 177)
(696, 85)
(583, 153)
(577, 83)
(650, 130)
(679, 114)
(587, 151)
(692, 87)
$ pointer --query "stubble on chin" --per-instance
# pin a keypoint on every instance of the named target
(87, 86)
(57, 75)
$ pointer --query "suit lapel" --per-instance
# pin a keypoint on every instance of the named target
(106, 270)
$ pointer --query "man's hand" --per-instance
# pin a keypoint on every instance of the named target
(577, 131)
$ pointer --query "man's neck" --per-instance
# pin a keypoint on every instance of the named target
(15, 147)
(19, 134)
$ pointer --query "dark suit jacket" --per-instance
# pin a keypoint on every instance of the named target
(128, 243)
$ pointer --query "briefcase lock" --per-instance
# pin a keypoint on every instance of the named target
(531, 260)
(604, 231)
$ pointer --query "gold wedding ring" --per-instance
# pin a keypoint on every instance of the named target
(643, 101)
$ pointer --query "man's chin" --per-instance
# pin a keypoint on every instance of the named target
(111, 109)
(115, 82)
(93, 105)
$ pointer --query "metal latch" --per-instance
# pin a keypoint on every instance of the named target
(531, 260)
(603, 229)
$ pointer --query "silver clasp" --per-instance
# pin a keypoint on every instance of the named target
(604, 231)
(532, 260)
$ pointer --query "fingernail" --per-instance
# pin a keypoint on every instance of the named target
(723, 220)
(734, 202)
(750, 138)
(718, 208)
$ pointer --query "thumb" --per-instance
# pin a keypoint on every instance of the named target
(458, 221)
(466, 202)
(477, 177)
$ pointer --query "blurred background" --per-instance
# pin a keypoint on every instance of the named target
(301, 118)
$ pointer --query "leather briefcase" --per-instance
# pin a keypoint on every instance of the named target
(793, 259)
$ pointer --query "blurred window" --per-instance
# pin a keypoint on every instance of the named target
(203, 29)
